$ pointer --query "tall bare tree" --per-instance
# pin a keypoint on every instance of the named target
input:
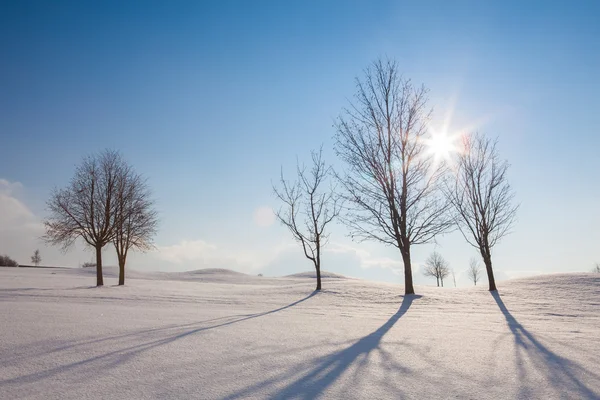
(392, 180)
(308, 208)
(135, 220)
(36, 258)
(482, 198)
(474, 271)
(85, 208)
(436, 267)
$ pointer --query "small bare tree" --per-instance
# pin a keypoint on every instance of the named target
(392, 180)
(596, 268)
(437, 268)
(36, 258)
(474, 271)
(308, 208)
(85, 208)
(453, 277)
(482, 198)
(135, 220)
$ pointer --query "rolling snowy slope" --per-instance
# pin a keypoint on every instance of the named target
(220, 335)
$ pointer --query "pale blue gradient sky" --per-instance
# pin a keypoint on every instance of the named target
(209, 99)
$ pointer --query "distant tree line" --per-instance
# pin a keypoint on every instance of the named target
(393, 190)
(6, 261)
(106, 202)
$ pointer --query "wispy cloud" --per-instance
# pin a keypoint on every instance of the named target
(366, 259)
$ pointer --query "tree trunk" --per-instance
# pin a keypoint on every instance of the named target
(442, 280)
(408, 280)
(318, 269)
(99, 280)
(121, 270)
(437, 280)
(487, 259)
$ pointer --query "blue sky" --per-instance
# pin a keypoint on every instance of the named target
(210, 99)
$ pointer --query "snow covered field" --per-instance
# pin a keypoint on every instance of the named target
(222, 335)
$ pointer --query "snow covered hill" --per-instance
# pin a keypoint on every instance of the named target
(213, 334)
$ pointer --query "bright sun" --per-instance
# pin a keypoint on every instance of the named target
(441, 145)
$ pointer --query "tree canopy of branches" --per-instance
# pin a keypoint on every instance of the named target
(36, 258)
(436, 267)
(135, 220)
(474, 272)
(392, 181)
(85, 208)
(308, 208)
(105, 201)
(482, 198)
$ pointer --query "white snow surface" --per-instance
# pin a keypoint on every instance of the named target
(221, 335)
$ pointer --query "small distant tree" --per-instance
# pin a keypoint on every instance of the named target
(453, 277)
(437, 267)
(36, 258)
(482, 198)
(85, 208)
(135, 220)
(308, 207)
(596, 268)
(474, 271)
(6, 261)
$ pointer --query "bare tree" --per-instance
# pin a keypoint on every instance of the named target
(482, 198)
(596, 268)
(453, 276)
(474, 271)
(36, 258)
(437, 267)
(85, 208)
(392, 181)
(308, 208)
(135, 220)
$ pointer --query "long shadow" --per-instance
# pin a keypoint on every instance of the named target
(123, 354)
(331, 367)
(562, 373)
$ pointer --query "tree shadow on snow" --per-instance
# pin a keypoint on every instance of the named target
(116, 357)
(563, 374)
(331, 367)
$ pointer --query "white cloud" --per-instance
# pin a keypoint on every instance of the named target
(21, 229)
(264, 217)
(14, 214)
(366, 259)
(196, 254)
(9, 188)
(186, 251)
